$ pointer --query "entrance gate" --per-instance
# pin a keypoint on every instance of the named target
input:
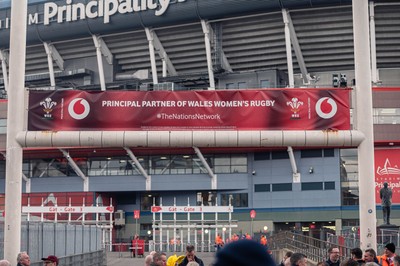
(174, 227)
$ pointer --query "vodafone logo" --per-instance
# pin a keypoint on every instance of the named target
(78, 108)
(326, 107)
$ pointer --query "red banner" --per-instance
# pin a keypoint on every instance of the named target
(272, 109)
(387, 169)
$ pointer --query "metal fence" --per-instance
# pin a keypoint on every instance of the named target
(315, 249)
(72, 243)
(97, 258)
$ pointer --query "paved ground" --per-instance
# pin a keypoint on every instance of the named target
(124, 258)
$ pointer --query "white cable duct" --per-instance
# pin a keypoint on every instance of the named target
(288, 44)
(173, 139)
(207, 41)
(140, 167)
(208, 168)
(77, 170)
(374, 68)
(150, 39)
(292, 160)
(50, 63)
(28, 183)
(97, 44)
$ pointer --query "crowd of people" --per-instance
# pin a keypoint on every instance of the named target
(358, 258)
(23, 259)
(246, 252)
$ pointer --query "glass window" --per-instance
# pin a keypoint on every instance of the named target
(237, 199)
(312, 186)
(123, 165)
(386, 115)
(230, 86)
(3, 126)
(262, 188)
(282, 187)
(280, 155)
(349, 176)
(242, 85)
(238, 159)
(160, 164)
(230, 163)
(311, 153)
(329, 152)
(181, 164)
(125, 198)
(330, 185)
(149, 199)
(51, 168)
(207, 198)
(265, 84)
(3, 169)
(261, 156)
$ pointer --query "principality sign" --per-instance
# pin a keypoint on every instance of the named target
(264, 109)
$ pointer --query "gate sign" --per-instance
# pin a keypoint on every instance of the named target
(253, 214)
(190, 209)
(247, 109)
(136, 214)
(67, 209)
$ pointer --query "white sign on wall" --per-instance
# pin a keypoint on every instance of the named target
(67, 209)
(190, 209)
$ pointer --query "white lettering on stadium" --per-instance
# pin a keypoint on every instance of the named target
(93, 9)
(100, 8)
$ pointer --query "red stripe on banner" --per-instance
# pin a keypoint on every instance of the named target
(272, 109)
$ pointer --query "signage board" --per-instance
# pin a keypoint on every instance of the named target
(248, 109)
(191, 209)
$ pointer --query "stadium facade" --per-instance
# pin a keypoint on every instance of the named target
(194, 46)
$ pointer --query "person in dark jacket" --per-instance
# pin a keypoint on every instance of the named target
(190, 256)
(334, 256)
(357, 255)
(243, 252)
(370, 256)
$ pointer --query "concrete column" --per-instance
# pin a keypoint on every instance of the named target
(363, 112)
(15, 121)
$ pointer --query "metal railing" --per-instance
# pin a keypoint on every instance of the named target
(97, 258)
(317, 250)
